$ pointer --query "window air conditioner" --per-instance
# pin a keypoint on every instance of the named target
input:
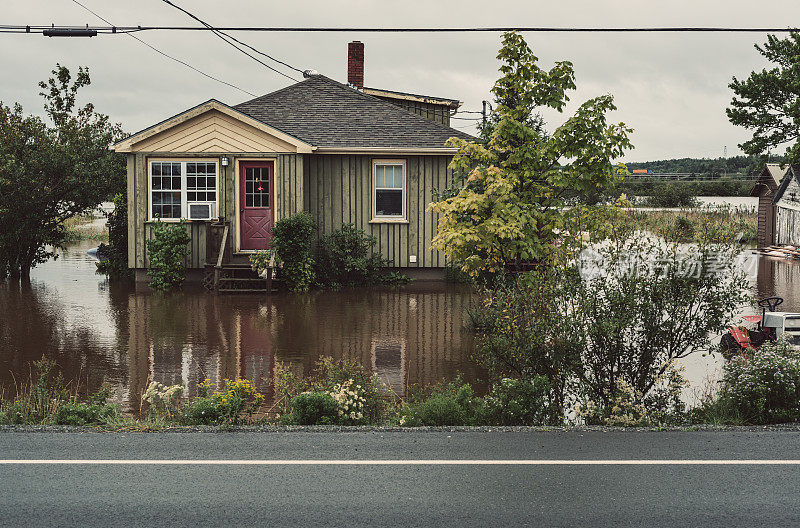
(201, 211)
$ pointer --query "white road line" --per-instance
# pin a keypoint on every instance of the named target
(434, 462)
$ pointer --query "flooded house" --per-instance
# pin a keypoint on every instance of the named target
(344, 153)
(787, 209)
(767, 183)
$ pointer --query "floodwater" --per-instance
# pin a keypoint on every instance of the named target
(737, 202)
(768, 277)
(103, 332)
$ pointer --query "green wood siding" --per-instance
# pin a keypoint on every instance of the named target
(338, 190)
(288, 200)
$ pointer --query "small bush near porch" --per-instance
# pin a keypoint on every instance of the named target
(168, 250)
(343, 257)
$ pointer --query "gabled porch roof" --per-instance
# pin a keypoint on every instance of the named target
(212, 126)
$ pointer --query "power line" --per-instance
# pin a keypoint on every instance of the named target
(223, 36)
(237, 40)
(201, 72)
(526, 29)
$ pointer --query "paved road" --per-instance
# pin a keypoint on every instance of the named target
(676, 494)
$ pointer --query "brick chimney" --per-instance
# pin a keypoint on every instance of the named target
(355, 64)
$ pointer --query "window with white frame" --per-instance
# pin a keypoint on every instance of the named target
(177, 185)
(389, 190)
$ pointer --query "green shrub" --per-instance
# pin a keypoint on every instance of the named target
(167, 252)
(260, 260)
(345, 257)
(452, 404)
(671, 195)
(518, 402)
(765, 387)
(662, 406)
(314, 408)
(18, 412)
(292, 239)
(237, 401)
(115, 253)
(454, 274)
(202, 411)
(334, 375)
(683, 228)
(74, 413)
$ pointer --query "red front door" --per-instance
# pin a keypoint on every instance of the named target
(256, 199)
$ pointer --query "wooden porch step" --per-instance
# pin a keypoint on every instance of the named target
(235, 277)
(242, 290)
(236, 266)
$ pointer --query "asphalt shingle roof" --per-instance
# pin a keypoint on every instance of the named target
(326, 113)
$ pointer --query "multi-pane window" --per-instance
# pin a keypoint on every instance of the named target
(166, 186)
(177, 185)
(201, 182)
(390, 189)
(256, 187)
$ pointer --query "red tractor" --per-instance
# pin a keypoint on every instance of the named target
(768, 326)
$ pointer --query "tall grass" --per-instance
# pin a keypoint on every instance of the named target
(709, 224)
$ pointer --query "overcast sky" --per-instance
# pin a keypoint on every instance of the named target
(671, 88)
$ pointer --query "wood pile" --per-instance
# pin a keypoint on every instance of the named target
(780, 251)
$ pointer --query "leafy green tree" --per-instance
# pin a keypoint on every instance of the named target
(510, 209)
(768, 102)
(50, 172)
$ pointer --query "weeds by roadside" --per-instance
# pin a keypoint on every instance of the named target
(46, 399)
(763, 388)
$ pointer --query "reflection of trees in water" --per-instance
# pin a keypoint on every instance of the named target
(33, 324)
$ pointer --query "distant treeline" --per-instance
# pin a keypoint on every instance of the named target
(718, 187)
(714, 167)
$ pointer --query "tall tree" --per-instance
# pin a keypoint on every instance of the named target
(511, 207)
(50, 172)
(768, 102)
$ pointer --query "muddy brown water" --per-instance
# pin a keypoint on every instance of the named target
(102, 332)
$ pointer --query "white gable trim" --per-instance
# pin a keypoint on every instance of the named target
(127, 144)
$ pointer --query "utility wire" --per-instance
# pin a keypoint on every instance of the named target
(298, 70)
(223, 36)
(201, 72)
(526, 29)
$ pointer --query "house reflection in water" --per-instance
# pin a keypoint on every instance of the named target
(779, 277)
(407, 336)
